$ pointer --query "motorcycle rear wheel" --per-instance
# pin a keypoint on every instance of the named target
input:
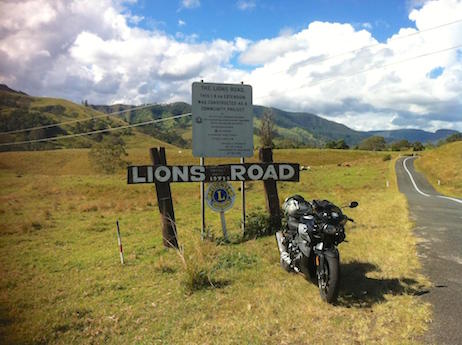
(328, 289)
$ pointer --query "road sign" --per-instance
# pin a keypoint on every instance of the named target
(214, 173)
(220, 196)
(222, 118)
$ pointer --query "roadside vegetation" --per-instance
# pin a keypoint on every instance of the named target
(443, 164)
(61, 280)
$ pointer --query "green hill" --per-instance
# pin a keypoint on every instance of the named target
(176, 132)
(309, 129)
(20, 111)
(294, 129)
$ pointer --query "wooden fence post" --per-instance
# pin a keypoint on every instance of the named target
(164, 200)
(271, 190)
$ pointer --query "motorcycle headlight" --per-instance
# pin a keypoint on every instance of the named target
(330, 230)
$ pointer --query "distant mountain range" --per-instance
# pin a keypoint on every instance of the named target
(413, 135)
(295, 129)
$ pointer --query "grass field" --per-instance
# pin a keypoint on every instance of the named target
(445, 164)
(62, 282)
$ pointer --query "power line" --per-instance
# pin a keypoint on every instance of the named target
(371, 69)
(316, 61)
(77, 120)
(97, 131)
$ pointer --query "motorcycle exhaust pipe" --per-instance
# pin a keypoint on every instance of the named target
(279, 240)
(285, 257)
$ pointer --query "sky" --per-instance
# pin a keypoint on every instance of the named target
(370, 65)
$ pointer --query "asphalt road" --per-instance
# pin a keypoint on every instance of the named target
(438, 222)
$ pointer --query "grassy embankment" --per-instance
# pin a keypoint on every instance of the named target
(62, 282)
(445, 164)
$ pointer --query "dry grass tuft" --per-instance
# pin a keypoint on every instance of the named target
(198, 268)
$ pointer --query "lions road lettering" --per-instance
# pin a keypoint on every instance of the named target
(214, 173)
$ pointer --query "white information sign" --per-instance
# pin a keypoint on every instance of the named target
(222, 118)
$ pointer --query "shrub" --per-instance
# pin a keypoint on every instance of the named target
(258, 224)
(387, 157)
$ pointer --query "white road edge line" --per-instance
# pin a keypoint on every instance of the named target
(419, 191)
(412, 179)
(449, 198)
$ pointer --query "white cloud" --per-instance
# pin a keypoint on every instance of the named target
(181, 22)
(367, 25)
(246, 5)
(415, 4)
(190, 3)
(87, 50)
(304, 71)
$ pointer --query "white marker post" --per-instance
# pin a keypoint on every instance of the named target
(223, 226)
(119, 240)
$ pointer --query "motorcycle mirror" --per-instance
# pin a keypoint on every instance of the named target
(353, 204)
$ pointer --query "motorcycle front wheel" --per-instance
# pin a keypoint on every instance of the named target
(329, 282)
(308, 268)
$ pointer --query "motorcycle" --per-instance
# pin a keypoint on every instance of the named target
(309, 239)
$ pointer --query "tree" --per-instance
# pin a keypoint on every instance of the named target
(331, 144)
(418, 146)
(339, 144)
(374, 143)
(107, 155)
(454, 137)
(400, 144)
(267, 129)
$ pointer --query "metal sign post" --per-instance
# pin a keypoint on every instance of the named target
(223, 225)
(243, 201)
(202, 203)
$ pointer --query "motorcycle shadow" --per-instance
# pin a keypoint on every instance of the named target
(358, 290)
